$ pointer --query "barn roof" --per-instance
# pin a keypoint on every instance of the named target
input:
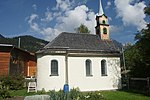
(81, 42)
(10, 48)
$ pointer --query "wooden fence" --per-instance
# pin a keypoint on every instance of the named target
(141, 85)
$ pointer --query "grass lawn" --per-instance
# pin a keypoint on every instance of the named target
(108, 95)
(24, 93)
(121, 95)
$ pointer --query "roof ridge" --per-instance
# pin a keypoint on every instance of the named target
(77, 33)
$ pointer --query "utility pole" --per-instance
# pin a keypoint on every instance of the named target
(124, 64)
(19, 42)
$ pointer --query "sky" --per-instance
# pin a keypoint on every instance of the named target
(46, 19)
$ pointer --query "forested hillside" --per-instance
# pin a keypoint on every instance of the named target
(28, 43)
(1, 36)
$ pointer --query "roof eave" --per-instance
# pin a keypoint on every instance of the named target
(63, 51)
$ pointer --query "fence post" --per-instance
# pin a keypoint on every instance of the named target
(148, 85)
(128, 83)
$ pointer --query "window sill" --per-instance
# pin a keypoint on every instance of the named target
(54, 75)
(89, 75)
(105, 75)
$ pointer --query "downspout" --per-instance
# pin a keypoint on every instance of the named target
(66, 63)
(66, 85)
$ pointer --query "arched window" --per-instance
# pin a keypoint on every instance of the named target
(54, 68)
(105, 30)
(103, 68)
(103, 22)
(88, 68)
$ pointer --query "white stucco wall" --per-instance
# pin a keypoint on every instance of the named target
(77, 74)
(44, 80)
(78, 78)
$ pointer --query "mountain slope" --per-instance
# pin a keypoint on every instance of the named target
(27, 42)
(1, 36)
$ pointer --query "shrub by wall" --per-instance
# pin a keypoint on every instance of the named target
(8, 83)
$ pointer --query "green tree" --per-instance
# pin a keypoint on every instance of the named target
(147, 10)
(143, 40)
(82, 29)
(137, 56)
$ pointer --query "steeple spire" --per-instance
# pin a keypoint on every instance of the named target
(101, 12)
(102, 27)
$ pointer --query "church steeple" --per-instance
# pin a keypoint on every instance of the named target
(101, 12)
(102, 27)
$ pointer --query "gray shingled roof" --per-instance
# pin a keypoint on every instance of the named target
(86, 42)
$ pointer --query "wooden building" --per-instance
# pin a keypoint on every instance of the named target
(15, 61)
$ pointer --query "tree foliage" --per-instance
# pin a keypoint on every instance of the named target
(8, 83)
(147, 10)
(137, 56)
(82, 29)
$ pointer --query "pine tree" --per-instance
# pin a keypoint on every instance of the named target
(82, 29)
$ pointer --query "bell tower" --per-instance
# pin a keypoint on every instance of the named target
(102, 27)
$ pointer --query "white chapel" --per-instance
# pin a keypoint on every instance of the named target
(87, 61)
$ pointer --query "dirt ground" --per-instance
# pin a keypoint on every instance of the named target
(16, 98)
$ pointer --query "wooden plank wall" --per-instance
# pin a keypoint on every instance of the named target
(23, 66)
(31, 68)
(4, 63)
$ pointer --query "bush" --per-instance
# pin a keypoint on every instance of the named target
(8, 83)
(4, 93)
(43, 91)
(12, 82)
(60, 95)
(75, 94)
